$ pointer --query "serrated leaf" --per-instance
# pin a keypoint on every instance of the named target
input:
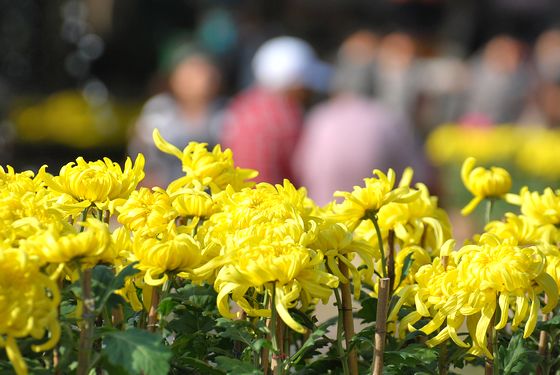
(516, 358)
(137, 351)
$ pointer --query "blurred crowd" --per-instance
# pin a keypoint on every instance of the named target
(363, 86)
(328, 124)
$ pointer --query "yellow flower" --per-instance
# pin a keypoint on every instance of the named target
(28, 306)
(190, 202)
(368, 200)
(541, 209)
(290, 273)
(488, 274)
(339, 246)
(99, 182)
(419, 222)
(89, 247)
(483, 183)
(213, 169)
(522, 229)
(147, 211)
(178, 253)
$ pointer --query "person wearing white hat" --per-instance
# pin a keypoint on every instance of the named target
(263, 123)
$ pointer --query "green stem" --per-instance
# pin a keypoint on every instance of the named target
(274, 326)
(84, 217)
(373, 218)
(87, 324)
(339, 332)
(489, 206)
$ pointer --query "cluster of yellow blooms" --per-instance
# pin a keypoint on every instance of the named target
(268, 248)
(531, 148)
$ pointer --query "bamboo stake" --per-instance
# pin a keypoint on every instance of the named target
(348, 319)
(381, 325)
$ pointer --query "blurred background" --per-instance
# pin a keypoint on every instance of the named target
(418, 82)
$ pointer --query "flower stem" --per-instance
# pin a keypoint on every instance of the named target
(488, 213)
(543, 346)
(276, 327)
(381, 325)
(491, 365)
(153, 314)
(373, 218)
(339, 330)
(87, 324)
(348, 319)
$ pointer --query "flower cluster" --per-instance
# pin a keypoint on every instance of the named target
(268, 251)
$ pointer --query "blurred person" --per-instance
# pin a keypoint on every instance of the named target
(351, 134)
(395, 73)
(498, 83)
(546, 55)
(190, 110)
(543, 106)
(263, 123)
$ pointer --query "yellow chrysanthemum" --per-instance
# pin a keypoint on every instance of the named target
(419, 222)
(339, 246)
(213, 169)
(28, 306)
(98, 182)
(177, 253)
(147, 211)
(539, 208)
(89, 247)
(190, 202)
(488, 274)
(291, 273)
(368, 200)
(483, 183)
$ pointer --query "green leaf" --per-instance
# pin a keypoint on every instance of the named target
(202, 366)
(516, 358)
(237, 367)
(314, 341)
(105, 282)
(407, 263)
(137, 351)
(368, 311)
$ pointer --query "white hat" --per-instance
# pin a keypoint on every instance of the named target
(286, 61)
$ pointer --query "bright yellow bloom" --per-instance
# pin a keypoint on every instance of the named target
(177, 253)
(259, 243)
(339, 246)
(147, 211)
(541, 209)
(213, 169)
(488, 274)
(290, 273)
(98, 182)
(28, 306)
(524, 230)
(89, 247)
(419, 222)
(190, 202)
(368, 200)
(483, 183)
